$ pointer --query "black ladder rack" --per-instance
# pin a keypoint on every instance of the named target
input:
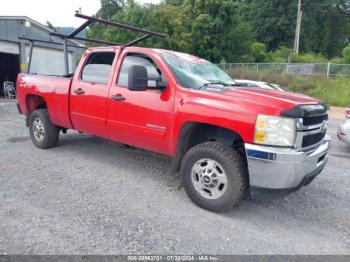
(90, 20)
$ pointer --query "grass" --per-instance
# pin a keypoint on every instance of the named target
(334, 91)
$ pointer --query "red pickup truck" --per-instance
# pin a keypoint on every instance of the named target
(228, 142)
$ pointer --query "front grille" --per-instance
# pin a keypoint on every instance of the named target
(312, 130)
(310, 140)
(311, 121)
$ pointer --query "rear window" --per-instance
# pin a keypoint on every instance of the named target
(98, 67)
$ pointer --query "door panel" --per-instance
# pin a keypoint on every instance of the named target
(143, 118)
(88, 101)
(88, 109)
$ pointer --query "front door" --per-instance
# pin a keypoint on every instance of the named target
(88, 100)
(140, 118)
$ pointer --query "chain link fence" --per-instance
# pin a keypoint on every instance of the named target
(329, 69)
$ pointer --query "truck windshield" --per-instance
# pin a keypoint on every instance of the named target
(197, 73)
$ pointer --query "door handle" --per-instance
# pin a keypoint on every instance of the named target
(79, 91)
(118, 97)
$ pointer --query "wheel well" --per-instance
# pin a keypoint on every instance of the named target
(192, 134)
(34, 102)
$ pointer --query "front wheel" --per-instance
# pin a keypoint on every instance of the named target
(214, 176)
(43, 133)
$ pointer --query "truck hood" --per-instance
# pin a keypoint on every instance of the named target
(270, 98)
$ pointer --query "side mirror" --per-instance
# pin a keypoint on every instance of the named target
(138, 78)
(162, 84)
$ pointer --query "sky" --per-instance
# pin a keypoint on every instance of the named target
(58, 12)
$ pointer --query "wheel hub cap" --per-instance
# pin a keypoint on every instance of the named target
(38, 129)
(209, 178)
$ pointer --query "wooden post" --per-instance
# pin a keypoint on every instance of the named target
(297, 29)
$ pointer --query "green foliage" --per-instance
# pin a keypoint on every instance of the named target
(212, 29)
(273, 21)
(234, 30)
(281, 55)
(325, 24)
(333, 91)
(110, 8)
(259, 52)
(346, 55)
(309, 58)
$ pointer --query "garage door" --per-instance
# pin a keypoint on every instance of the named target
(9, 48)
(48, 61)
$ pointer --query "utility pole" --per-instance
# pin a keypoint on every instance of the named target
(297, 29)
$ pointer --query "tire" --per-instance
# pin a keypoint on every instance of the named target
(42, 132)
(214, 160)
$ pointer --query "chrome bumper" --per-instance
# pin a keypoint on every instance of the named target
(278, 171)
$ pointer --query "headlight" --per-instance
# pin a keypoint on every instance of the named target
(275, 131)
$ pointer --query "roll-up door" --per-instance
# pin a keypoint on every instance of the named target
(9, 48)
(48, 61)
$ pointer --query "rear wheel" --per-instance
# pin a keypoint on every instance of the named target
(43, 133)
(214, 176)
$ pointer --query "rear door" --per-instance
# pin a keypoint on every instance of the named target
(89, 91)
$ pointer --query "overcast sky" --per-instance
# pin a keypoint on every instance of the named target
(58, 12)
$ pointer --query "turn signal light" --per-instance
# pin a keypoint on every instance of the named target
(260, 136)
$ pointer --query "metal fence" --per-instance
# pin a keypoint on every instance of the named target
(328, 69)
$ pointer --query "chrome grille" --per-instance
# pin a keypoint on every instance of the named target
(309, 140)
(310, 121)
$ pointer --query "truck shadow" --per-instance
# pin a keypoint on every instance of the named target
(118, 155)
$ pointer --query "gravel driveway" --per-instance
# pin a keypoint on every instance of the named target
(91, 196)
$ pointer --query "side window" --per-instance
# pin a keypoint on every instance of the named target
(152, 70)
(98, 67)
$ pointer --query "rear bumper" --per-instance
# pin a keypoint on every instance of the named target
(275, 172)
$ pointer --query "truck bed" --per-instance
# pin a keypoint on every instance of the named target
(52, 89)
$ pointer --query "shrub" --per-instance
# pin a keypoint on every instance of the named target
(346, 55)
(309, 58)
(259, 52)
(281, 55)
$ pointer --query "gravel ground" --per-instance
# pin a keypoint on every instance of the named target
(91, 196)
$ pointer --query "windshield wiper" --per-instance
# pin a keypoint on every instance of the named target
(217, 82)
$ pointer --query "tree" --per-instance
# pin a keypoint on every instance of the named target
(273, 21)
(110, 8)
(211, 28)
(216, 30)
(232, 30)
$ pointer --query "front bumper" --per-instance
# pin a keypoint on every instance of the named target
(274, 172)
